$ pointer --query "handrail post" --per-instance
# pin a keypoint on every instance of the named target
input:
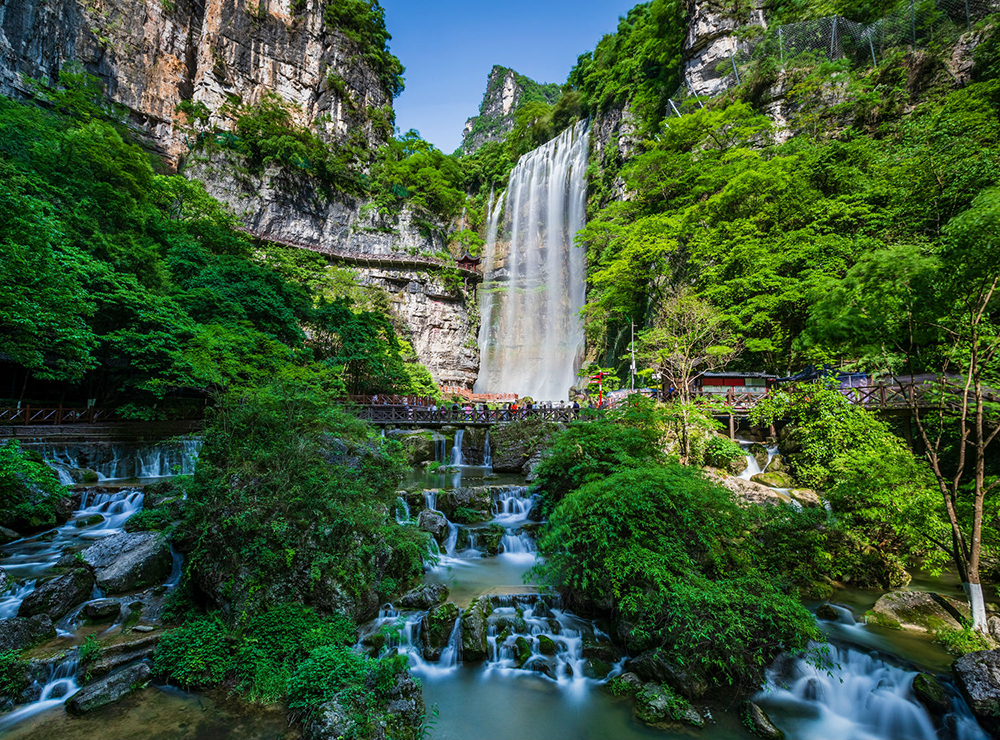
(27, 414)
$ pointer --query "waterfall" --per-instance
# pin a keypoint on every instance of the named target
(487, 452)
(60, 685)
(456, 450)
(531, 337)
(119, 461)
(440, 446)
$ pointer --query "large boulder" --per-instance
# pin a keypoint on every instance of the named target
(774, 480)
(777, 465)
(8, 535)
(760, 454)
(656, 666)
(404, 708)
(423, 597)
(128, 561)
(434, 523)
(55, 598)
(474, 627)
(658, 706)
(116, 685)
(806, 497)
(436, 629)
(747, 491)
(918, 610)
(475, 498)
(19, 633)
(4, 581)
(978, 678)
(756, 720)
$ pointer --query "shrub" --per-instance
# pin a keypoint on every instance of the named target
(30, 493)
(196, 655)
(664, 552)
(273, 644)
(149, 520)
(720, 451)
(13, 675)
(960, 642)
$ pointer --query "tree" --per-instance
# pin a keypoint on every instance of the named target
(688, 339)
(965, 415)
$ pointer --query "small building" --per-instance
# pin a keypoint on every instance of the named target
(740, 382)
(470, 263)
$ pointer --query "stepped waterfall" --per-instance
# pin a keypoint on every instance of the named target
(531, 338)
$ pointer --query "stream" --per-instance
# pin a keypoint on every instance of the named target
(536, 682)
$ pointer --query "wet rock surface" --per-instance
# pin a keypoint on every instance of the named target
(102, 609)
(757, 721)
(656, 665)
(658, 706)
(474, 643)
(131, 648)
(436, 628)
(978, 678)
(434, 523)
(111, 688)
(19, 633)
(57, 597)
(423, 597)
(127, 561)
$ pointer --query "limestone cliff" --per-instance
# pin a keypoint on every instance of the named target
(153, 54)
(384, 251)
(712, 41)
(506, 92)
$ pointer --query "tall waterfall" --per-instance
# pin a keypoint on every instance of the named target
(531, 338)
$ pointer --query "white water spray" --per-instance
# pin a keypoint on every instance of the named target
(531, 338)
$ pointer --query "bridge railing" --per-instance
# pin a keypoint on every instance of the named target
(402, 414)
(28, 415)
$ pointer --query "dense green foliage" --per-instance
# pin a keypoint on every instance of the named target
(638, 65)
(666, 552)
(363, 22)
(195, 655)
(30, 493)
(815, 249)
(290, 502)
(13, 675)
(136, 286)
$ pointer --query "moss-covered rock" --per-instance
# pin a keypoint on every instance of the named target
(522, 651)
(774, 480)
(436, 629)
(660, 706)
(488, 539)
(756, 720)
(474, 621)
(931, 694)
(546, 645)
(917, 610)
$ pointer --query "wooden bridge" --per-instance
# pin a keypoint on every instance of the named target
(424, 416)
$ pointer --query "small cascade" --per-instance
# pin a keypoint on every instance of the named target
(533, 634)
(60, 684)
(451, 656)
(430, 500)
(440, 447)
(753, 467)
(402, 510)
(456, 450)
(512, 505)
(452, 540)
(176, 568)
(117, 461)
(487, 452)
(11, 601)
(519, 544)
(854, 694)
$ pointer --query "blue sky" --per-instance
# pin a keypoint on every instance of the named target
(449, 47)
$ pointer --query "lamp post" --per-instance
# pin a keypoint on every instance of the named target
(600, 386)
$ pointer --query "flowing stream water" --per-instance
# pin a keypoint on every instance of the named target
(854, 689)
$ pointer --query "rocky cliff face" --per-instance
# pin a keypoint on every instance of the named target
(506, 92)
(711, 39)
(384, 252)
(153, 54)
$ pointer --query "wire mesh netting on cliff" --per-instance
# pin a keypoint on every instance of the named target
(919, 23)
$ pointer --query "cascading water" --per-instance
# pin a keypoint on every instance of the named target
(456, 450)
(854, 694)
(531, 337)
(440, 446)
(118, 461)
(487, 452)
(753, 467)
(59, 685)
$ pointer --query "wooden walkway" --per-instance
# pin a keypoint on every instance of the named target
(393, 260)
